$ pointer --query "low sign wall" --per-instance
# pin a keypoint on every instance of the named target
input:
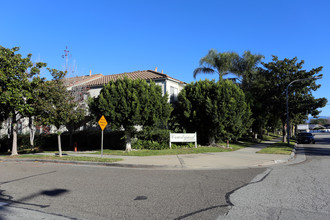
(183, 137)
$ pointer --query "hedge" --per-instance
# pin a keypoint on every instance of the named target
(85, 140)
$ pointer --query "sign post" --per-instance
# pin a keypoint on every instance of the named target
(103, 123)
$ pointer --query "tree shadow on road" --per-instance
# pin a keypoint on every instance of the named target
(26, 177)
(6, 200)
(313, 151)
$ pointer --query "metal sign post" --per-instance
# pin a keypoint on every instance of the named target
(103, 123)
(102, 144)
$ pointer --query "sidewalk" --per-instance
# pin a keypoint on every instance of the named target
(244, 158)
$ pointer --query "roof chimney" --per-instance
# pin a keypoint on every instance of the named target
(90, 72)
(156, 69)
(162, 71)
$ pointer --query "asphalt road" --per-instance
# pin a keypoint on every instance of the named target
(58, 191)
(295, 191)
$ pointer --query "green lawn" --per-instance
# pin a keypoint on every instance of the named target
(198, 150)
(278, 148)
(71, 158)
(190, 150)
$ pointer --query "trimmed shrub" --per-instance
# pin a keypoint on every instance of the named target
(152, 139)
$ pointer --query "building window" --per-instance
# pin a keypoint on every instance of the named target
(173, 94)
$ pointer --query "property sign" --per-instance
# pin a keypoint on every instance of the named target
(103, 122)
(183, 137)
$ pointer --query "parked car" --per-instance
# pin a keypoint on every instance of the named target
(304, 138)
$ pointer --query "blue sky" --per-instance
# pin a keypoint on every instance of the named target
(112, 37)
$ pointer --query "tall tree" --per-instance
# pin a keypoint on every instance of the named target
(216, 63)
(246, 67)
(57, 106)
(216, 110)
(17, 75)
(277, 75)
(229, 62)
(126, 103)
(257, 92)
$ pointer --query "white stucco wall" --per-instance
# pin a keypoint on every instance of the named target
(94, 92)
(165, 84)
(174, 84)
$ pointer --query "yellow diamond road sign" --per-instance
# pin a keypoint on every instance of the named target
(102, 122)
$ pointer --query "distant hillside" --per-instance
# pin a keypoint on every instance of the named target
(310, 118)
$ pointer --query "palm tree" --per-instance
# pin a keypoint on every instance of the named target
(246, 66)
(229, 62)
(214, 62)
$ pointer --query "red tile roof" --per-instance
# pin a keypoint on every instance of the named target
(78, 80)
(145, 74)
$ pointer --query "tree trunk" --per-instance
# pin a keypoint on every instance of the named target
(10, 128)
(128, 141)
(211, 140)
(261, 133)
(284, 132)
(59, 144)
(32, 131)
(14, 146)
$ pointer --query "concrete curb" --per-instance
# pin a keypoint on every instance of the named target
(293, 153)
(86, 163)
(292, 156)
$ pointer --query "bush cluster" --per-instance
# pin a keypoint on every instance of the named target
(156, 139)
(85, 140)
(151, 139)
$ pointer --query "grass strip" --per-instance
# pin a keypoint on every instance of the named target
(69, 158)
(278, 148)
(177, 151)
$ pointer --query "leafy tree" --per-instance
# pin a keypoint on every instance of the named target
(246, 68)
(56, 105)
(36, 88)
(126, 103)
(216, 110)
(18, 75)
(276, 76)
(255, 87)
